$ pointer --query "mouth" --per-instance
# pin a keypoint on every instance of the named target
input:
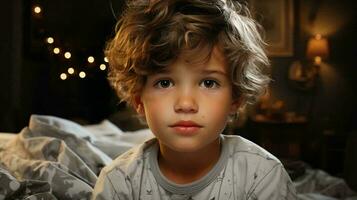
(186, 127)
(186, 124)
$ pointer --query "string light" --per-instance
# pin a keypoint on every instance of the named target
(70, 70)
(90, 59)
(82, 74)
(37, 9)
(56, 50)
(50, 40)
(63, 76)
(67, 55)
(102, 67)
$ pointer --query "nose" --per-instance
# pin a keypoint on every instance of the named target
(186, 102)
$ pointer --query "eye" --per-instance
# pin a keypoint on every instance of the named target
(163, 83)
(210, 83)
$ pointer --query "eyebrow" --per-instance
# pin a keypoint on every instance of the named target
(214, 72)
(163, 71)
(205, 72)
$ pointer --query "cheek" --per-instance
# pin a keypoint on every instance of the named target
(217, 113)
(215, 118)
(218, 107)
(150, 107)
(156, 110)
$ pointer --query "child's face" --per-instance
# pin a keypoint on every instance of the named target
(199, 92)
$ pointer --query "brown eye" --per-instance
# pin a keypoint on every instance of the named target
(210, 84)
(163, 83)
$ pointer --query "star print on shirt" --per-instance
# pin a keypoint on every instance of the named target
(149, 192)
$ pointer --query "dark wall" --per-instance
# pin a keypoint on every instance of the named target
(11, 61)
(330, 105)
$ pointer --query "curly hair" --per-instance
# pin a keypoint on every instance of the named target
(152, 33)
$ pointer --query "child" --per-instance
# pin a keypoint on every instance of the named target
(186, 66)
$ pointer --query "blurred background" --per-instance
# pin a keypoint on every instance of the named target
(52, 63)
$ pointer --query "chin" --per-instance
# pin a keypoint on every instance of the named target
(186, 147)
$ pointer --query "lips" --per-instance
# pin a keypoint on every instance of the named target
(186, 127)
(185, 124)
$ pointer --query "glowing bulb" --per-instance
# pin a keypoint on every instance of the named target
(317, 60)
(67, 55)
(318, 36)
(82, 74)
(102, 67)
(90, 59)
(70, 70)
(50, 40)
(106, 59)
(37, 9)
(63, 76)
(56, 50)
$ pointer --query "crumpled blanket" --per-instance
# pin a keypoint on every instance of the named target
(11, 188)
(51, 159)
(113, 141)
(316, 184)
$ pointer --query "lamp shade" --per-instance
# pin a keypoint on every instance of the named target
(317, 47)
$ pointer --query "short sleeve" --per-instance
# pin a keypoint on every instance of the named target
(112, 185)
(276, 184)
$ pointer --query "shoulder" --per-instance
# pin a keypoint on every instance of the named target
(117, 179)
(239, 146)
(258, 170)
(130, 161)
(251, 159)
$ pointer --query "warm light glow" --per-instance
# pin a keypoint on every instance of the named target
(317, 46)
(63, 76)
(102, 67)
(82, 74)
(106, 59)
(90, 59)
(70, 70)
(37, 9)
(56, 50)
(50, 40)
(318, 37)
(67, 55)
(317, 60)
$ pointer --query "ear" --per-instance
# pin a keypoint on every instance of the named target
(138, 105)
(235, 105)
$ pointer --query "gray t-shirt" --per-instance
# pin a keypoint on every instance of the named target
(243, 171)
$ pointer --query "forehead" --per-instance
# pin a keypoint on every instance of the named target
(199, 60)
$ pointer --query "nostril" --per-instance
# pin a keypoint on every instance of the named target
(187, 108)
(186, 102)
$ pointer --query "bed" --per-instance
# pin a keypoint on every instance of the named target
(55, 158)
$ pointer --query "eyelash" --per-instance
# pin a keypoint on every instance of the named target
(157, 83)
(216, 84)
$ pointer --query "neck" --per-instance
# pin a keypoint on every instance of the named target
(186, 167)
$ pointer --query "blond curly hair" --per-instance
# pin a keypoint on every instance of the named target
(152, 33)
